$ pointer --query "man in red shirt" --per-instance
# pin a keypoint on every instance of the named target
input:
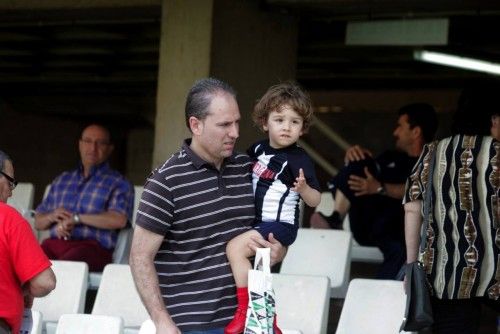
(24, 268)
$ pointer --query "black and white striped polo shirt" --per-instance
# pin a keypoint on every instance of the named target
(198, 209)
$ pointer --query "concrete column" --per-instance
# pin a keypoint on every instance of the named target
(185, 47)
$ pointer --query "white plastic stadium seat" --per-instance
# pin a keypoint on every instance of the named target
(89, 324)
(120, 255)
(67, 297)
(45, 234)
(122, 249)
(148, 327)
(137, 199)
(358, 253)
(321, 252)
(22, 198)
(325, 206)
(372, 306)
(22, 201)
(302, 303)
(117, 296)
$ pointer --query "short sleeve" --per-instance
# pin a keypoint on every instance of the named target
(26, 254)
(156, 208)
(252, 151)
(47, 204)
(417, 181)
(122, 198)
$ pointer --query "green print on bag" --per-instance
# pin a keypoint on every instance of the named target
(262, 305)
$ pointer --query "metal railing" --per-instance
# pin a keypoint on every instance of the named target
(330, 134)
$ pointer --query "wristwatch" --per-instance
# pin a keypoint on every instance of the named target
(76, 218)
(381, 190)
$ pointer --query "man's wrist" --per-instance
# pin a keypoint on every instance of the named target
(381, 190)
(76, 218)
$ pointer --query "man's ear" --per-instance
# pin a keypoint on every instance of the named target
(195, 125)
(417, 132)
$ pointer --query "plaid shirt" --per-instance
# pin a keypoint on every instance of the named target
(104, 190)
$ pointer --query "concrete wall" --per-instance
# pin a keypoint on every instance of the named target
(44, 145)
(251, 49)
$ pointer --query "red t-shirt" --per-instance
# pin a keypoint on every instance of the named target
(21, 259)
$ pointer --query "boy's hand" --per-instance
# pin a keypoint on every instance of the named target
(300, 182)
(311, 196)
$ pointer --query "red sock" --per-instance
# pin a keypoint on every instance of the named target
(242, 296)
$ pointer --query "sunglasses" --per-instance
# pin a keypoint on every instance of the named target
(12, 181)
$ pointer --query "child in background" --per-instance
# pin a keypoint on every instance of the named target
(282, 174)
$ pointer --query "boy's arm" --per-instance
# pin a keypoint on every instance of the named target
(311, 196)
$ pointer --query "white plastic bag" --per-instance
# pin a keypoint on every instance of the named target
(261, 305)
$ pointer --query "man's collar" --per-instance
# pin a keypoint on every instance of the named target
(197, 161)
(97, 169)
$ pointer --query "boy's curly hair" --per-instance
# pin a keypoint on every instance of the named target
(277, 96)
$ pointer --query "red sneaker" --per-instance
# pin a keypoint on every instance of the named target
(237, 325)
(275, 327)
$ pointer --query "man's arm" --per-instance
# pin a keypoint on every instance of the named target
(145, 245)
(44, 220)
(369, 185)
(41, 284)
(413, 222)
(110, 220)
(395, 190)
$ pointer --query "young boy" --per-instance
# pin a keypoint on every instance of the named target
(282, 174)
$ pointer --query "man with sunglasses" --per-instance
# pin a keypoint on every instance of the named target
(86, 207)
(11, 182)
(24, 268)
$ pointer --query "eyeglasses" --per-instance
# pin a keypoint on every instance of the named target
(99, 143)
(12, 181)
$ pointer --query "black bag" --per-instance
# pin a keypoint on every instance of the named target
(418, 313)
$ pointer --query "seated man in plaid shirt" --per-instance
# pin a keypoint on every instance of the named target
(86, 207)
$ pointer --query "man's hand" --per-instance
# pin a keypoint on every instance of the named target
(356, 153)
(59, 215)
(278, 251)
(65, 227)
(63, 232)
(364, 186)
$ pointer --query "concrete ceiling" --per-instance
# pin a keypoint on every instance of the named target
(110, 48)
(86, 51)
(326, 62)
